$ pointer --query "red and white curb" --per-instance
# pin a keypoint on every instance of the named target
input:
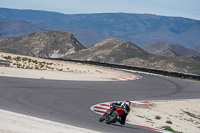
(134, 77)
(101, 108)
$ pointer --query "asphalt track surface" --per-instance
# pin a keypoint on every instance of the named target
(69, 102)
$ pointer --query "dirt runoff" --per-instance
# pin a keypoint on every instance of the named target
(30, 67)
(19, 123)
(176, 116)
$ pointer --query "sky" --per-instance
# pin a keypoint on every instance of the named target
(178, 8)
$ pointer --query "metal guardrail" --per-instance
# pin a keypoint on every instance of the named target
(4, 63)
(143, 69)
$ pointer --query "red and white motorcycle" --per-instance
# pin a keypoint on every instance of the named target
(114, 116)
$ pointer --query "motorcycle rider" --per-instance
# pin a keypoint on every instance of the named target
(125, 106)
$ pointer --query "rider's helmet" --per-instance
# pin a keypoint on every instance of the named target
(126, 105)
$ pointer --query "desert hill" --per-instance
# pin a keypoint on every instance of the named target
(54, 44)
(110, 50)
(160, 47)
(167, 53)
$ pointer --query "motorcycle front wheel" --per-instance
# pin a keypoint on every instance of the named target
(112, 118)
(101, 119)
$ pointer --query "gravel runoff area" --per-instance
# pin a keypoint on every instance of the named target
(181, 116)
(18, 123)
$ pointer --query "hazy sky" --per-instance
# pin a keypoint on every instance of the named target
(182, 8)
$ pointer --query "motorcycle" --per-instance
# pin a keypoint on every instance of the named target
(112, 117)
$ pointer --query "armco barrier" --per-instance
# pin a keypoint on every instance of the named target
(4, 63)
(143, 69)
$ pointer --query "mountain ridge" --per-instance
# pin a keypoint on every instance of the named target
(16, 28)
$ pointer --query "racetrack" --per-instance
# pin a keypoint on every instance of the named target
(70, 101)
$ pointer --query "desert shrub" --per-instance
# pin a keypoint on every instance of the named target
(18, 58)
(37, 68)
(24, 59)
(158, 117)
(192, 115)
(168, 128)
(28, 67)
(35, 61)
(29, 60)
(7, 57)
(18, 65)
(169, 122)
(49, 63)
(41, 66)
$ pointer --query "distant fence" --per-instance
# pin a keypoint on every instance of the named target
(4, 63)
(143, 69)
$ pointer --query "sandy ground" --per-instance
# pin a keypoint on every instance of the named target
(182, 116)
(17, 123)
(30, 67)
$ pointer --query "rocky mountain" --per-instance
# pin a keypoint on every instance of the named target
(53, 44)
(110, 50)
(159, 48)
(167, 53)
(141, 29)
(121, 52)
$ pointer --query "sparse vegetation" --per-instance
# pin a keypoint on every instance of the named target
(18, 65)
(140, 116)
(158, 117)
(37, 68)
(24, 59)
(150, 121)
(168, 128)
(35, 61)
(169, 122)
(49, 63)
(28, 63)
(192, 115)
(99, 71)
(147, 119)
(28, 67)
(7, 57)
(41, 66)
(60, 69)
